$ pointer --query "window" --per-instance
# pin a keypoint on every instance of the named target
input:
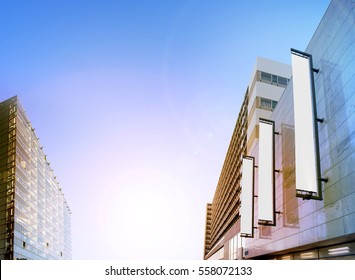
(265, 76)
(273, 79)
(218, 255)
(283, 81)
(267, 103)
(233, 248)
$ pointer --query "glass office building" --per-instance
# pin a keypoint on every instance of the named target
(306, 224)
(34, 215)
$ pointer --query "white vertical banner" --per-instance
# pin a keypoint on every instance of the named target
(266, 186)
(305, 141)
(247, 198)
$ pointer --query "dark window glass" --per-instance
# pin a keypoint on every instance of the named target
(274, 79)
(274, 103)
(265, 103)
(283, 81)
(265, 76)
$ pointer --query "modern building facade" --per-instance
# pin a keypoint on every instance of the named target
(305, 223)
(34, 215)
(268, 81)
(222, 213)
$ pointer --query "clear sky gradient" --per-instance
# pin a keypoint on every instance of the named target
(135, 103)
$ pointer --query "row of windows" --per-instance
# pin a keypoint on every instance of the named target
(273, 79)
(223, 209)
(219, 255)
(267, 103)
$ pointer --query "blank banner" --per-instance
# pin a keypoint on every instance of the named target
(247, 198)
(305, 138)
(266, 178)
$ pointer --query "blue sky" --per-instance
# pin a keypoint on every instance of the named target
(135, 103)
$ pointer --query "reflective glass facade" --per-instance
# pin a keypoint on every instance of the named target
(34, 215)
(223, 212)
(310, 228)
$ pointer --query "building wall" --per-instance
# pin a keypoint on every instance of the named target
(208, 229)
(40, 214)
(226, 202)
(7, 176)
(309, 225)
(225, 223)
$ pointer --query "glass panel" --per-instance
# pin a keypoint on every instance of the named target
(266, 171)
(340, 250)
(265, 76)
(286, 257)
(307, 255)
(282, 81)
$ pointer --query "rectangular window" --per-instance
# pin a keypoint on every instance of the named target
(266, 169)
(265, 103)
(233, 248)
(274, 79)
(283, 81)
(265, 76)
(274, 103)
(306, 150)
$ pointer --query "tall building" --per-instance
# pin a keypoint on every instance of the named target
(222, 213)
(297, 193)
(34, 215)
(268, 81)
